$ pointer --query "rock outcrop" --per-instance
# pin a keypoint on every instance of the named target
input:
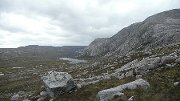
(157, 30)
(135, 67)
(108, 94)
(58, 83)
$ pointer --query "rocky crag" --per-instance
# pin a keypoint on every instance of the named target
(155, 31)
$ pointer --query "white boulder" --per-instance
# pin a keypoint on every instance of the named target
(108, 94)
(58, 83)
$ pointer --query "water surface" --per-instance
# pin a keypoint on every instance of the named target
(74, 61)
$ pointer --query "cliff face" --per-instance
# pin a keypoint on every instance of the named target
(157, 30)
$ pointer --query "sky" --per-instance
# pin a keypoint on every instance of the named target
(71, 22)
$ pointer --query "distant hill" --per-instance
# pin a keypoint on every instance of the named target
(48, 52)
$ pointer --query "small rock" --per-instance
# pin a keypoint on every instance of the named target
(177, 60)
(26, 100)
(176, 83)
(170, 65)
(43, 93)
(119, 94)
(112, 67)
(147, 53)
(131, 98)
(22, 93)
(79, 86)
(1, 74)
(173, 54)
(51, 99)
(41, 99)
(138, 76)
(15, 97)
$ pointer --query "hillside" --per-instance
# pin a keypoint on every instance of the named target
(155, 31)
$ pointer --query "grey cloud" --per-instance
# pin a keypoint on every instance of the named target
(71, 24)
(11, 29)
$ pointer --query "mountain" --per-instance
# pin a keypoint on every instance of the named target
(157, 30)
(43, 52)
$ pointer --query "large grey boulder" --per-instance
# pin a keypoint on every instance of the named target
(108, 94)
(58, 83)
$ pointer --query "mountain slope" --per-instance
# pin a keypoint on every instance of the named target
(157, 30)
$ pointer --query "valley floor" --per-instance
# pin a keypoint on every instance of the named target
(25, 78)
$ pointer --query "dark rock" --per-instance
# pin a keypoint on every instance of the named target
(177, 60)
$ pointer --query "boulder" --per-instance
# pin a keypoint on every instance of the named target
(15, 97)
(147, 64)
(58, 83)
(137, 67)
(167, 60)
(108, 94)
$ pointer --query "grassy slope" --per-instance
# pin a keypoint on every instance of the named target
(161, 81)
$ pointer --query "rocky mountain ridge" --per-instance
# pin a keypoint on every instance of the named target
(155, 31)
(45, 51)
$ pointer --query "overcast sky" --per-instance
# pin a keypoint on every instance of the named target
(71, 22)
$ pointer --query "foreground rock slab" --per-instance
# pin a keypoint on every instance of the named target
(108, 94)
(58, 83)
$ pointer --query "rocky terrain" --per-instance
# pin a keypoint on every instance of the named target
(157, 30)
(139, 63)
